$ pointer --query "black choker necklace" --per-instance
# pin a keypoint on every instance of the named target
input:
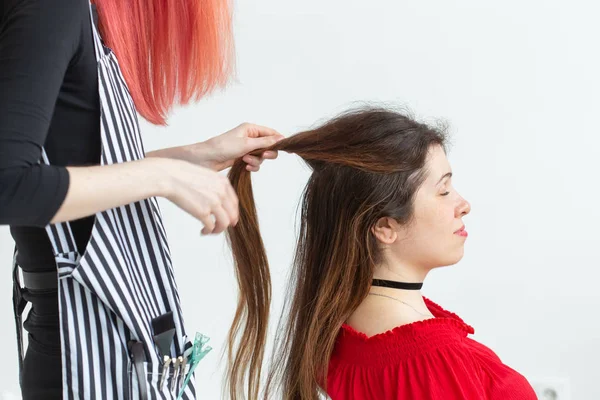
(397, 285)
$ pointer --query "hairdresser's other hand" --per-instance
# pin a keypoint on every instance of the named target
(219, 152)
(203, 193)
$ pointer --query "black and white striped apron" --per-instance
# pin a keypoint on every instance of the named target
(109, 295)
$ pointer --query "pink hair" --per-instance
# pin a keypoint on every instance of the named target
(169, 51)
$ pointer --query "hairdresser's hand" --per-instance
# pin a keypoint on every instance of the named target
(221, 151)
(203, 193)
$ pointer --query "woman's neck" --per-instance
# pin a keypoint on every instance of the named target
(399, 271)
(385, 308)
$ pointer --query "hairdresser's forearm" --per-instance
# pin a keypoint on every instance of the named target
(99, 188)
(198, 153)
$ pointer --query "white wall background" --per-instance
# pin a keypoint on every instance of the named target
(518, 82)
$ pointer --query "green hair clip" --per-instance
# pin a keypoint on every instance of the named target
(199, 350)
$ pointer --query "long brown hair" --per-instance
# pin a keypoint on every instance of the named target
(366, 164)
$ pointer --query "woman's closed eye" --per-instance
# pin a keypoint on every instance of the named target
(446, 188)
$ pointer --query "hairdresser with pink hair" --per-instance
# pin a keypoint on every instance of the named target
(79, 192)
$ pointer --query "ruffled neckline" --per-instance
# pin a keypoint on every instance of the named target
(441, 315)
(402, 341)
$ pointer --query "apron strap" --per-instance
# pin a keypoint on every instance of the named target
(98, 45)
(136, 351)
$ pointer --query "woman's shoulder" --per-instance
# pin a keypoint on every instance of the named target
(37, 31)
(440, 348)
(55, 11)
(430, 365)
(402, 342)
(404, 365)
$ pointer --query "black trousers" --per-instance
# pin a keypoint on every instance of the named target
(42, 370)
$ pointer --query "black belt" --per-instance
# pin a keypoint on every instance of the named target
(31, 281)
(40, 280)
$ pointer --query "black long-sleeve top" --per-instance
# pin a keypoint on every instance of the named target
(48, 98)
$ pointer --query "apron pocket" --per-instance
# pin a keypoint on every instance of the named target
(142, 378)
(143, 375)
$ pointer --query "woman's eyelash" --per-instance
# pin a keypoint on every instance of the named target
(445, 187)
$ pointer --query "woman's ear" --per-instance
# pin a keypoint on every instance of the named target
(386, 230)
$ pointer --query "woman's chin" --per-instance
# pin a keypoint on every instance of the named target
(453, 259)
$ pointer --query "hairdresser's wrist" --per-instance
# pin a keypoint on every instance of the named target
(160, 175)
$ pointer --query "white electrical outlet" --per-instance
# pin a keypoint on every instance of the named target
(551, 388)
